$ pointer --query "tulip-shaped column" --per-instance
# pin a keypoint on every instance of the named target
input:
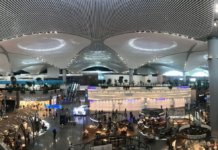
(213, 79)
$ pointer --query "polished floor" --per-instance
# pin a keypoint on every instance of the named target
(65, 136)
(71, 134)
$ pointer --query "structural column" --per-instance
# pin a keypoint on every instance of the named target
(213, 78)
(64, 77)
(184, 78)
(160, 79)
(131, 71)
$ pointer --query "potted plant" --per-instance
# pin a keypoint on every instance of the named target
(120, 80)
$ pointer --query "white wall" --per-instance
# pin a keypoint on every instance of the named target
(138, 78)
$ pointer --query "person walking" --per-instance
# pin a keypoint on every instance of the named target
(54, 133)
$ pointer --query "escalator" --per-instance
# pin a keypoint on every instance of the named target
(72, 91)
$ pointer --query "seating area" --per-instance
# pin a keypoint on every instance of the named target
(21, 127)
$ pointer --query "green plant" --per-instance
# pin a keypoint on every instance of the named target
(120, 80)
(109, 81)
(29, 84)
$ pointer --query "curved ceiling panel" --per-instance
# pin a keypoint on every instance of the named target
(99, 19)
(54, 49)
(149, 69)
(196, 59)
(176, 61)
(18, 61)
(146, 70)
(162, 69)
(34, 69)
(202, 46)
(97, 54)
(164, 64)
(141, 48)
(5, 66)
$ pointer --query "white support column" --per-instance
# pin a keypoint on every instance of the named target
(131, 71)
(160, 79)
(64, 76)
(184, 77)
(213, 78)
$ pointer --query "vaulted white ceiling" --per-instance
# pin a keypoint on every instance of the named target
(54, 49)
(138, 49)
(117, 34)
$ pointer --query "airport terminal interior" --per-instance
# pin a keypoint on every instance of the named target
(108, 75)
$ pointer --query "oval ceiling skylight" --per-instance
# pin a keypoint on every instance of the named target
(42, 45)
(151, 45)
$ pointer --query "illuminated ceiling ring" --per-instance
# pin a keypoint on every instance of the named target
(132, 44)
(61, 42)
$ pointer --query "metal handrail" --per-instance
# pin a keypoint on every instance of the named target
(139, 144)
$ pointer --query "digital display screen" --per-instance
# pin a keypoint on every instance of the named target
(53, 106)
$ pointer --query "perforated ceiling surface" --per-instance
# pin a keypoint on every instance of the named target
(99, 19)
